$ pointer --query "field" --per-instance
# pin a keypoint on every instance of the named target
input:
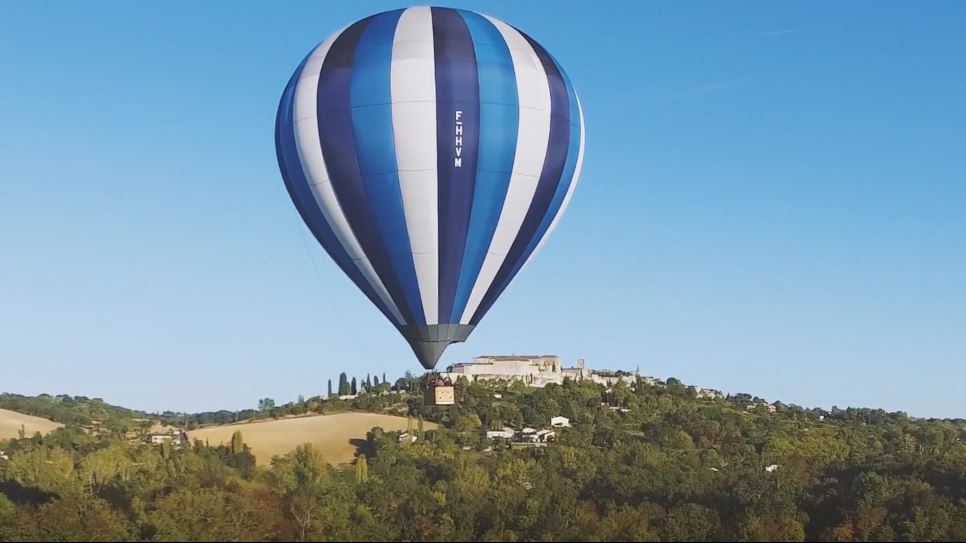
(11, 422)
(333, 434)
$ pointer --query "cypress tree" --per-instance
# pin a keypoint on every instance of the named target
(237, 443)
(343, 384)
(362, 469)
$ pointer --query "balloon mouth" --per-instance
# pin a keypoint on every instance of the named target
(430, 340)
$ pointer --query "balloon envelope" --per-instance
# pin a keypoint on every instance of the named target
(430, 151)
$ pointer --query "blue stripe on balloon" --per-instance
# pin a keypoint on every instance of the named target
(565, 181)
(375, 147)
(301, 194)
(335, 120)
(499, 123)
(457, 130)
(548, 184)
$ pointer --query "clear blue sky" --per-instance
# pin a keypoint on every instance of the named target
(773, 201)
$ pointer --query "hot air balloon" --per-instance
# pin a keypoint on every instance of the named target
(430, 151)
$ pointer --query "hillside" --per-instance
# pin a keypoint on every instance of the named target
(12, 423)
(333, 435)
(639, 462)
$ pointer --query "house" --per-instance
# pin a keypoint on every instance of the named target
(3, 456)
(708, 393)
(772, 408)
(771, 468)
(406, 437)
(560, 422)
(157, 439)
(538, 436)
(160, 433)
(505, 433)
(545, 436)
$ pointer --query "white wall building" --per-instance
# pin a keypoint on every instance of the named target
(533, 370)
(505, 433)
(560, 422)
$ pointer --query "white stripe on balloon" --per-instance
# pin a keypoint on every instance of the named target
(413, 91)
(307, 141)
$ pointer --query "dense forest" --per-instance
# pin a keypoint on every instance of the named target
(641, 463)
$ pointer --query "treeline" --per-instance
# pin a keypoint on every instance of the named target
(640, 463)
(84, 411)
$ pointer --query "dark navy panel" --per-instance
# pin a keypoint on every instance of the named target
(370, 98)
(499, 125)
(301, 194)
(342, 161)
(457, 133)
(550, 178)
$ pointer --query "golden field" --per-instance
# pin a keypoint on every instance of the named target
(332, 434)
(11, 422)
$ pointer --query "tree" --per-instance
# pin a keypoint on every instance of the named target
(266, 404)
(375, 381)
(467, 424)
(213, 514)
(362, 469)
(355, 387)
(384, 377)
(330, 389)
(344, 389)
(237, 444)
(368, 382)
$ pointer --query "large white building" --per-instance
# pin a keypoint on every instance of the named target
(535, 371)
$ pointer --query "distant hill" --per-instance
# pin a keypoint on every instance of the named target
(12, 423)
(630, 461)
(332, 434)
(77, 410)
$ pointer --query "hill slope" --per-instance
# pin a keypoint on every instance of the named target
(331, 434)
(11, 423)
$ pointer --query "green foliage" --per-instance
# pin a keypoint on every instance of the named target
(663, 465)
(344, 388)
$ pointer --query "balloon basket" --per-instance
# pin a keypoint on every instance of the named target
(439, 391)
